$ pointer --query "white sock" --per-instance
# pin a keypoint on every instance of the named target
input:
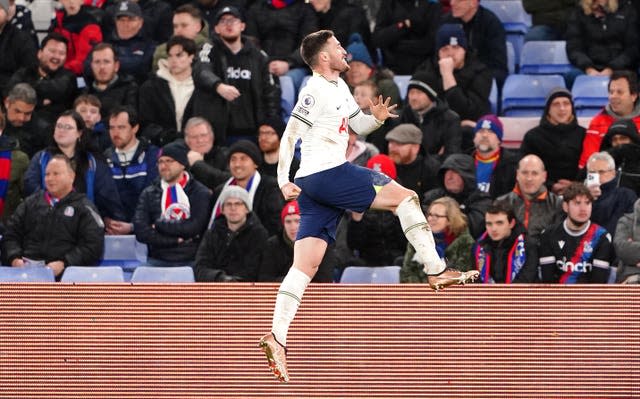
(287, 302)
(418, 233)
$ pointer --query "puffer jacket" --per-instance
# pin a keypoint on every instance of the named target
(627, 243)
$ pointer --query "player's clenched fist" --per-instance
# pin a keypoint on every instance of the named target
(290, 191)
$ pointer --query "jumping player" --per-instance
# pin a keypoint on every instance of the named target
(326, 185)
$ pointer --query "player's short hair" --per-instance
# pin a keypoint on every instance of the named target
(574, 190)
(502, 206)
(312, 44)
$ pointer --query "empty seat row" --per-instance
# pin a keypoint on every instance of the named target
(106, 274)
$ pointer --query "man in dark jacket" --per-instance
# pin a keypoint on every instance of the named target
(265, 195)
(16, 47)
(460, 78)
(12, 168)
(157, 15)
(558, 129)
(457, 177)
(440, 126)
(549, 18)
(132, 162)
(622, 141)
(208, 162)
(247, 92)
(55, 86)
(57, 227)
(111, 88)
(504, 254)
(230, 250)
(172, 213)
(495, 165)
(31, 131)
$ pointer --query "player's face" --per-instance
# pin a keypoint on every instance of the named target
(199, 138)
(337, 55)
(235, 211)
(242, 166)
(498, 225)
(418, 100)
(268, 139)
(530, 176)
(90, 114)
(121, 131)
(52, 56)
(578, 210)
(169, 169)
(291, 226)
(438, 218)
(560, 111)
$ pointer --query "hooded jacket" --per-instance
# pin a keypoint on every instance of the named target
(612, 204)
(473, 202)
(627, 243)
(545, 139)
(627, 157)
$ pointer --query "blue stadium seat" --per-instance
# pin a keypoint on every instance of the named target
(525, 95)
(544, 57)
(27, 274)
(515, 20)
(151, 274)
(90, 274)
(288, 96)
(371, 275)
(402, 81)
(124, 251)
(493, 97)
(511, 59)
(590, 94)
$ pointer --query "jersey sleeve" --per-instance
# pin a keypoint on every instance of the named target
(547, 259)
(602, 256)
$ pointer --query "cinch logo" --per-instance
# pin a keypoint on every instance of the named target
(237, 73)
(580, 267)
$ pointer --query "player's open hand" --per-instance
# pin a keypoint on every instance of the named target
(381, 110)
(290, 191)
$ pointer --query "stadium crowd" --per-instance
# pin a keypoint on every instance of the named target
(163, 119)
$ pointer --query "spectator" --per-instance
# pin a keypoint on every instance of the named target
(362, 68)
(484, 33)
(358, 150)
(57, 227)
(29, 130)
(133, 46)
(92, 176)
(623, 104)
(453, 241)
(457, 179)
(172, 213)
(460, 78)
(269, 135)
(20, 17)
(576, 250)
(14, 164)
(111, 88)
(405, 31)
(168, 99)
(623, 143)
(279, 27)
(81, 30)
(207, 162)
(187, 22)
(627, 246)
(440, 126)
(230, 250)
(602, 37)
(343, 18)
(610, 202)
(55, 86)
(210, 9)
(16, 47)
(495, 165)
(535, 207)
(277, 254)
(264, 193)
(416, 171)
(375, 235)
(157, 15)
(88, 106)
(374, 142)
(246, 92)
(133, 164)
(504, 254)
(558, 128)
(549, 19)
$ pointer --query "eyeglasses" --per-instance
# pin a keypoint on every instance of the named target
(65, 126)
(600, 172)
(166, 161)
(435, 215)
(228, 21)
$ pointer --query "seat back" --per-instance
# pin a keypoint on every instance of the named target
(590, 94)
(493, 97)
(371, 275)
(90, 274)
(525, 95)
(511, 13)
(150, 274)
(545, 57)
(287, 97)
(31, 274)
(402, 81)
(512, 65)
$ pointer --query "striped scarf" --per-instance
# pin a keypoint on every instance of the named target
(5, 175)
(515, 260)
(251, 188)
(175, 203)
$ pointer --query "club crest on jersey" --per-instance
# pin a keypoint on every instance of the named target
(587, 248)
(308, 101)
